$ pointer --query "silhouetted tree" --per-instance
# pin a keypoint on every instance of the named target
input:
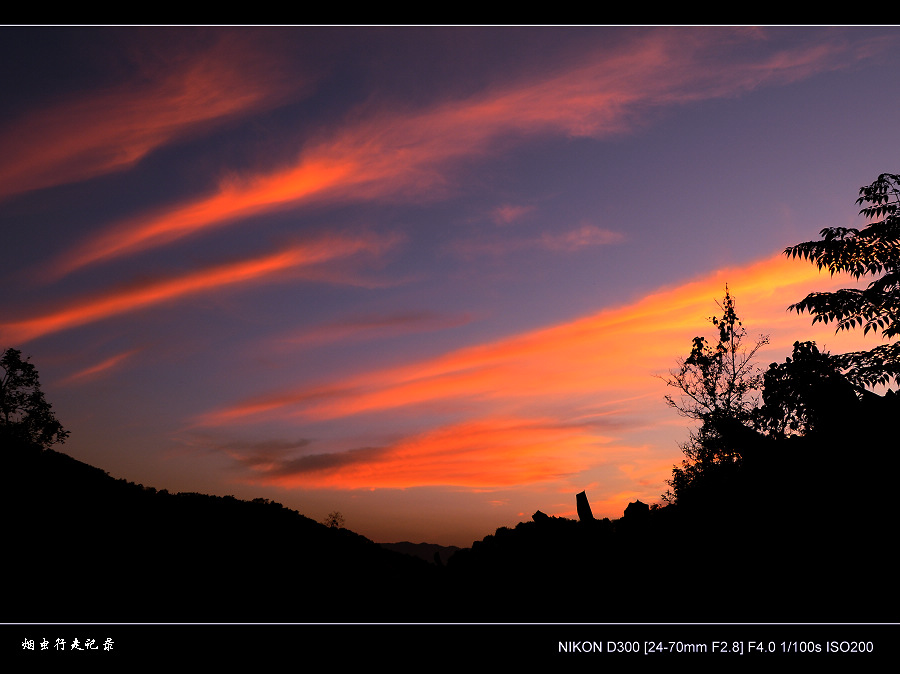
(805, 393)
(25, 416)
(874, 249)
(334, 520)
(717, 386)
(718, 380)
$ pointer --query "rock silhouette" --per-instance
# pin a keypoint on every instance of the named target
(583, 508)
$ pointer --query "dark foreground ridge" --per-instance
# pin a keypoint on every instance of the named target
(84, 546)
(802, 532)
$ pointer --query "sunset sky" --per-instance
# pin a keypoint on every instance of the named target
(425, 276)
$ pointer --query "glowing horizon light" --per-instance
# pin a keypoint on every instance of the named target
(462, 455)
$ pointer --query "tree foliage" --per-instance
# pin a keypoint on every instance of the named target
(872, 250)
(806, 393)
(25, 416)
(718, 380)
(717, 385)
(334, 520)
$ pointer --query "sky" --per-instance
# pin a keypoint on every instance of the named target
(429, 277)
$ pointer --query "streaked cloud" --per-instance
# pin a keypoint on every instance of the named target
(592, 375)
(234, 200)
(580, 237)
(112, 128)
(483, 454)
(260, 455)
(388, 152)
(137, 296)
(509, 213)
(615, 349)
(105, 366)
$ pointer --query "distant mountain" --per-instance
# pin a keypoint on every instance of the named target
(426, 551)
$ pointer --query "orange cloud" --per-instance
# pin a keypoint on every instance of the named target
(234, 200)
(204, 280)
(110, 130)
(586, 385)
(608, 356)
(484, 453)
(410, 153)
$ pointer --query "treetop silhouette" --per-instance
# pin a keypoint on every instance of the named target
(874, 249)
(25, 415)
(812, 393)
(718, 386)
(805, 393)
(719, 380)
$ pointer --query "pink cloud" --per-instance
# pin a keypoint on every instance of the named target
(508, 213)
(98, 369)
(581, 237)
(561, 241)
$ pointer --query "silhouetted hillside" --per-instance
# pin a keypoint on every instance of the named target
(86, 547)
(801, 531)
